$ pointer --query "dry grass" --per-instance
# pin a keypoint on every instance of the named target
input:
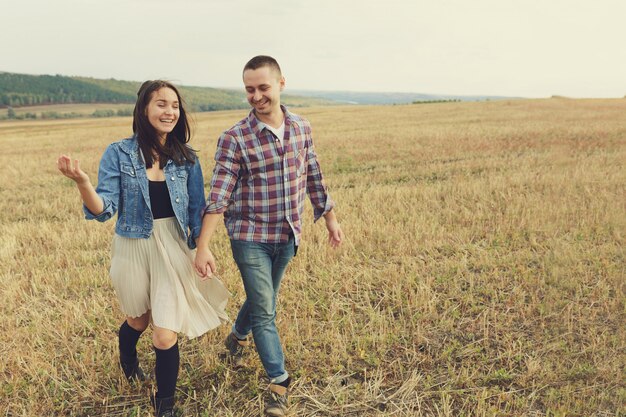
(484, 271)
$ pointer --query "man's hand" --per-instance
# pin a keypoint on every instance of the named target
(204, 263)
(335, 234)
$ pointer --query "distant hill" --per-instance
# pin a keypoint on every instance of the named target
(351, 97)
(48, 96)
(197, 98)
(18, 90)
(23, 90)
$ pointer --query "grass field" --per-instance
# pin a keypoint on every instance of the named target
(483, 272)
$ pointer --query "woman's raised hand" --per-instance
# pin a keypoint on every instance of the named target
(72, 171)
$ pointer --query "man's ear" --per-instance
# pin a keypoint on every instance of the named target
(282, 83)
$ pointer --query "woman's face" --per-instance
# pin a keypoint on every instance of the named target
(163, 111)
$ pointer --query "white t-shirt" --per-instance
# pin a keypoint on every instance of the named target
(279, 133)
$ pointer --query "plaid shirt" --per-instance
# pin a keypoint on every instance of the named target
(260, 186)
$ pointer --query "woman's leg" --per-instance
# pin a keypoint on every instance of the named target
(129, 334)
(167, 362)
(139, 323)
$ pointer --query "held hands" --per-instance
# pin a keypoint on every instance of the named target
(73, 172)
(204, 263)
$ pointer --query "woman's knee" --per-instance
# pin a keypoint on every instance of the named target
(163, 338)
(139, 323)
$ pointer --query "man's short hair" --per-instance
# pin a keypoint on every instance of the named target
(263, 61)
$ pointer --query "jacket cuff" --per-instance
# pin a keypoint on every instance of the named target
(195, 232)
(191, 241)
(104, 216)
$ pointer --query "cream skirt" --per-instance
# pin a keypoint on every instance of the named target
(157, 274)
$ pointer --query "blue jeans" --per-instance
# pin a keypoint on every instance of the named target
(262, 266)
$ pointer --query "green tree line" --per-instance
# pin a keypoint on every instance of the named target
(19, 90)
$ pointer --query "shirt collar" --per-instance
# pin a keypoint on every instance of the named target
(262, 126)
(258, 126)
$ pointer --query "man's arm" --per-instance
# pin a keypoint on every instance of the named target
(225, 175)
(323, 205)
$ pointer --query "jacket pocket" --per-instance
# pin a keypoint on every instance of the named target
(182, 176)
(129, 176)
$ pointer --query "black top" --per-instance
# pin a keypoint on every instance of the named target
(160, 202)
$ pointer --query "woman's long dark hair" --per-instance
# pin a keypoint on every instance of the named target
(175, 147)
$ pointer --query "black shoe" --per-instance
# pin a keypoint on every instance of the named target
(236, 349)
(277, 402)
(132, 370)
(164, 407)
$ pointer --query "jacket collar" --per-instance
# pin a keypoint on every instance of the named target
(130, 146)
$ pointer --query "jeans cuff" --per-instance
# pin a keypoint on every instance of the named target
(237, 334)
(279, 379)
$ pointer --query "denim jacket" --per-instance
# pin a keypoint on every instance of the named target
(123, 186)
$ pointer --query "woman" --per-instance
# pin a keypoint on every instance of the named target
(154, 182)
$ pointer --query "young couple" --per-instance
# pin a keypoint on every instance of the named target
(265, 165)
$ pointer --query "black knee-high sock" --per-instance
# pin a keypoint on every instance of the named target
(166, 370)
(128, 338)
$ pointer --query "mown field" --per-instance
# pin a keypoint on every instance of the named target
(483, 272)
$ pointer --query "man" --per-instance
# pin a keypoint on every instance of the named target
(265, 165)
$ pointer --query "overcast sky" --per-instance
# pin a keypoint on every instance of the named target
(528, 48)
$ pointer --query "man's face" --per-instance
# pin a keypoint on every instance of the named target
(263, 87)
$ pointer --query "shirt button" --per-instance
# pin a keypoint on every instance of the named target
(177, 200)
(172, 178)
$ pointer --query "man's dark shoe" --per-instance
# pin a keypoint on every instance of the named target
(236, 349)
(132, 370)
(277, 403)
(164, 407)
